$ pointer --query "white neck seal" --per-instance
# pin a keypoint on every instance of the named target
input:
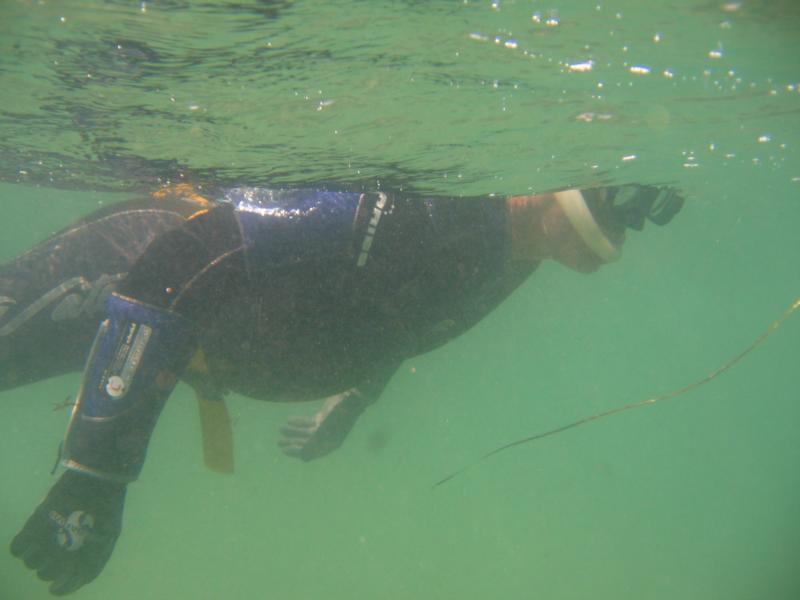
(581, 219)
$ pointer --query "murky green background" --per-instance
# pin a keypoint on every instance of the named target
(694, 498)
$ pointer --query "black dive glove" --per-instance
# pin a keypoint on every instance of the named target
(70, 536)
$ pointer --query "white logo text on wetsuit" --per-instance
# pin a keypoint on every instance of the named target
(377, 211)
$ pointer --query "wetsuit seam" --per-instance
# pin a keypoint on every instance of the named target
(210, 265)
(85, 226)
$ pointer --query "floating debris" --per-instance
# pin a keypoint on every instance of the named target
(66, 403)
(582, 67)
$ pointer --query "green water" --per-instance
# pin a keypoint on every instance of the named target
(694, 498)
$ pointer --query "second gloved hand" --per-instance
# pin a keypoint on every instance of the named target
(308, 438)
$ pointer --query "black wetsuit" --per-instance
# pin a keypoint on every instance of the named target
(294, 294)
(276, 294)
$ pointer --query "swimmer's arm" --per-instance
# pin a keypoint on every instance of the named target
(310, 437)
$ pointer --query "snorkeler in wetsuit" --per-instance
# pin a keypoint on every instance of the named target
(281, 295)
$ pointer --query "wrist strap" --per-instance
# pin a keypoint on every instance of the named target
(136, 358)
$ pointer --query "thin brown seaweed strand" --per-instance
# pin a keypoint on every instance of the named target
(649, 401)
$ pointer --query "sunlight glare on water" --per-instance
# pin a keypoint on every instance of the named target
(465, 98)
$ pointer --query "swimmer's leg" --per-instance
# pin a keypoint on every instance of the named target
(51, 297)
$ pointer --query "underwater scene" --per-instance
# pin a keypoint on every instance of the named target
(619, 424)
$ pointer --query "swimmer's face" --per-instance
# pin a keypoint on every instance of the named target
(541, 230)
(567, 247)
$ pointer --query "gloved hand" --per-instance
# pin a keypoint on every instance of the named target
(71, 534)
(308, 438)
